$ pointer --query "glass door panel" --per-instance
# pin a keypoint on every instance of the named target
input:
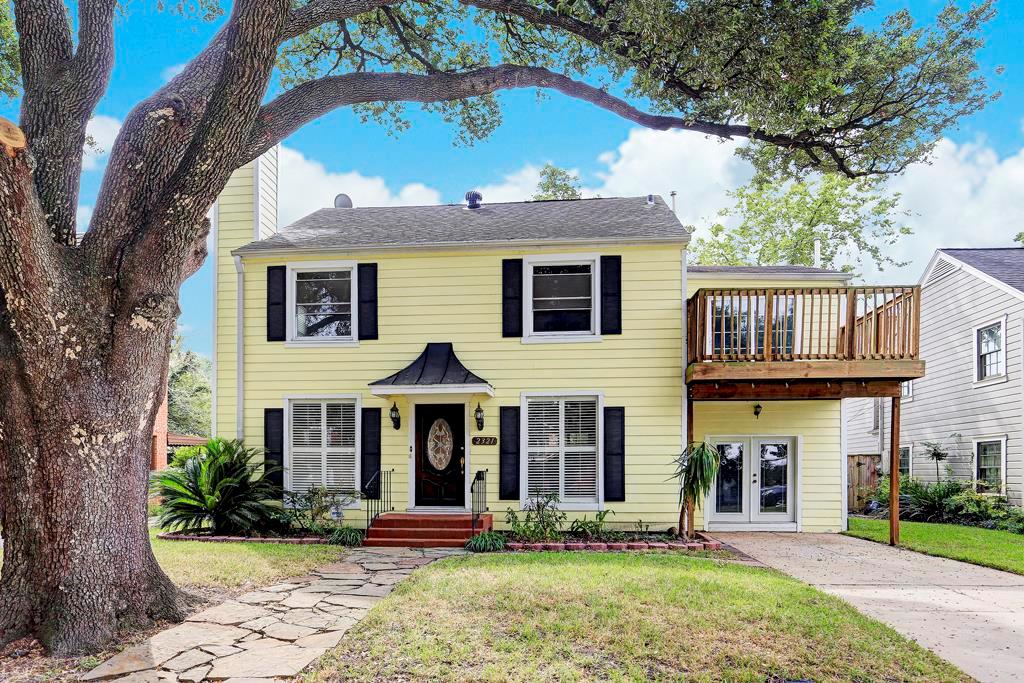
(730, 484)
(773, 484)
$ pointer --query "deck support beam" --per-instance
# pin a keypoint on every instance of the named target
(894, 473)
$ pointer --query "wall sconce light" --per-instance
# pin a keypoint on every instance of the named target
(396, 417)
(757, 411)
(479, 415)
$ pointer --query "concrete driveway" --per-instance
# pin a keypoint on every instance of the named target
(968, 615)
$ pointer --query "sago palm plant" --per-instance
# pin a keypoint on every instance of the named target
(696, 468)
(220, 489)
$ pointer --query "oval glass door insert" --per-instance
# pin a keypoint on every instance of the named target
(439, 444)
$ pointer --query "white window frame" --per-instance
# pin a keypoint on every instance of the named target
(289, 400)
(994, 379)
(594, 261)
(1002, 439)
(910, 459)
(909, 385)
(290, 293)
(524, 453)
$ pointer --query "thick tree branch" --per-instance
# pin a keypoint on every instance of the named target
(318, 12)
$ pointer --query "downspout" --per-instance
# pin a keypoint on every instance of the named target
(240, 349)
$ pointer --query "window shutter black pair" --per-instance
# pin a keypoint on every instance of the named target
(369, 456)
(512, 296)
(277, 304)
(509, 457)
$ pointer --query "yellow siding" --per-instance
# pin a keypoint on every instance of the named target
(816, 424)
(456, 296)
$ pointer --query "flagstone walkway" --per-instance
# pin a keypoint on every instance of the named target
(272, 633)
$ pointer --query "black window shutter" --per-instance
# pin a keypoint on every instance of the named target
(276, 304)
(508, 454)
(367, 300)
(369, 456)
(611, 295)
(614, 454)
(273, 443)
(512, 297)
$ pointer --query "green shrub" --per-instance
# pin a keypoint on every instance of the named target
(951, 502)
(486, 542)
(543, 520)
(591, 529)
(219, 489)
(316, 510)
(185, 453)
(345, 535)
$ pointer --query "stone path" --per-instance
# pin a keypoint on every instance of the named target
(972, 616)
(272, 633)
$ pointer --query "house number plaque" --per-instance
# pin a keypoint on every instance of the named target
(485, 441)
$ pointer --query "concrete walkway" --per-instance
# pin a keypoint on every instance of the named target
(968, 615)
(272, 633)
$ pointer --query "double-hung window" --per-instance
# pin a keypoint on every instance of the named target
(322, 445)
(988, 458)
(562, 297)
(906, 466)
(990, 351)
(562, 446)
(322, 301)
(737, 324)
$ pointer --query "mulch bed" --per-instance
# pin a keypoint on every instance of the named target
(206, 538)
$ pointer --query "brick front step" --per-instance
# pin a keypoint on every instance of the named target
(418, 532)
(431, 521)
(413, 543)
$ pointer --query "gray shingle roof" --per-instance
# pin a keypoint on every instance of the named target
(626, 219)
(1005, 264)
(768, 270)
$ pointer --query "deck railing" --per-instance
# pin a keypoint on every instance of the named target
(814, 323)
(478, 494)
(377, 494)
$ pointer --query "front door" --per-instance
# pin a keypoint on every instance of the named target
(441, 455)
(755, 482)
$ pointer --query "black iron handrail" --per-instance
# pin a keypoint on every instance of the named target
(377, 494)
(478, 494)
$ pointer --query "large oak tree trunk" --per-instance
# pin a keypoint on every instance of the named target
(74, 466)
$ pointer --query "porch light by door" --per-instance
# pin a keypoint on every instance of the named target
(757, 411)
(479, 415)
(396, 417)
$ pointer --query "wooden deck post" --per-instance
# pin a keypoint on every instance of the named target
(894, 473)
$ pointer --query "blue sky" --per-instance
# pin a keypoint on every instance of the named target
(982, 164)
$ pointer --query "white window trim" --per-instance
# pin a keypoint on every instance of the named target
(910, 458)
(531, 337)
(289, 399)
(307, 266)
(524, 455)
(1002, 439)
(994, 379)
(910, 391)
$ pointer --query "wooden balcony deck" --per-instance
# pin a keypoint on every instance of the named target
(816, 342)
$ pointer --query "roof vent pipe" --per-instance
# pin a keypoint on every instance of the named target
(817, 252)
(342, 201)
(650, 200)
(473, 199)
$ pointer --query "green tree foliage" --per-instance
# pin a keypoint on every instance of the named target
(777, 223)
(557, 183)
(188, 391)
(1019, 238)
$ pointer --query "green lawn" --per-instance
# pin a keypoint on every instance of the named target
(996, 549)
(570, 617)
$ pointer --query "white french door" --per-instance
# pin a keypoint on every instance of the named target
(756, 482)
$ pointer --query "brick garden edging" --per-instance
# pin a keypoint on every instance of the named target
(615, 547)
(302, 540)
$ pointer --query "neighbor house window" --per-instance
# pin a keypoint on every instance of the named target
(561, 297)
(322, 304)
(905, 461)
(990, 351)
(562, 448)
(989, 465)
(322, 445)
(907, 389)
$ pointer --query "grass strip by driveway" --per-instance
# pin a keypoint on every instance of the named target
(987, 547)
(572, 617)
(232, 565)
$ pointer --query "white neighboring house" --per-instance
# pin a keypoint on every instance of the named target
(971, 400)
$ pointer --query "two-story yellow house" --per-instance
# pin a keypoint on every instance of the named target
(446, 359)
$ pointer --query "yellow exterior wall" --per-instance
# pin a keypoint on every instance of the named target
(820, 464)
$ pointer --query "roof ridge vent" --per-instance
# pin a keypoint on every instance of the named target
(342, 201)
(473, 199)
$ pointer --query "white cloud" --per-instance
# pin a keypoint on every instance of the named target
(103, 131)
(306, 185)
(170, 72)
(967, 197)
(517, 186)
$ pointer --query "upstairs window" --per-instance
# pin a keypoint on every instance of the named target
(322, 302)
(561, 297)
(989, 349)
(562, 448)
(322, 445)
